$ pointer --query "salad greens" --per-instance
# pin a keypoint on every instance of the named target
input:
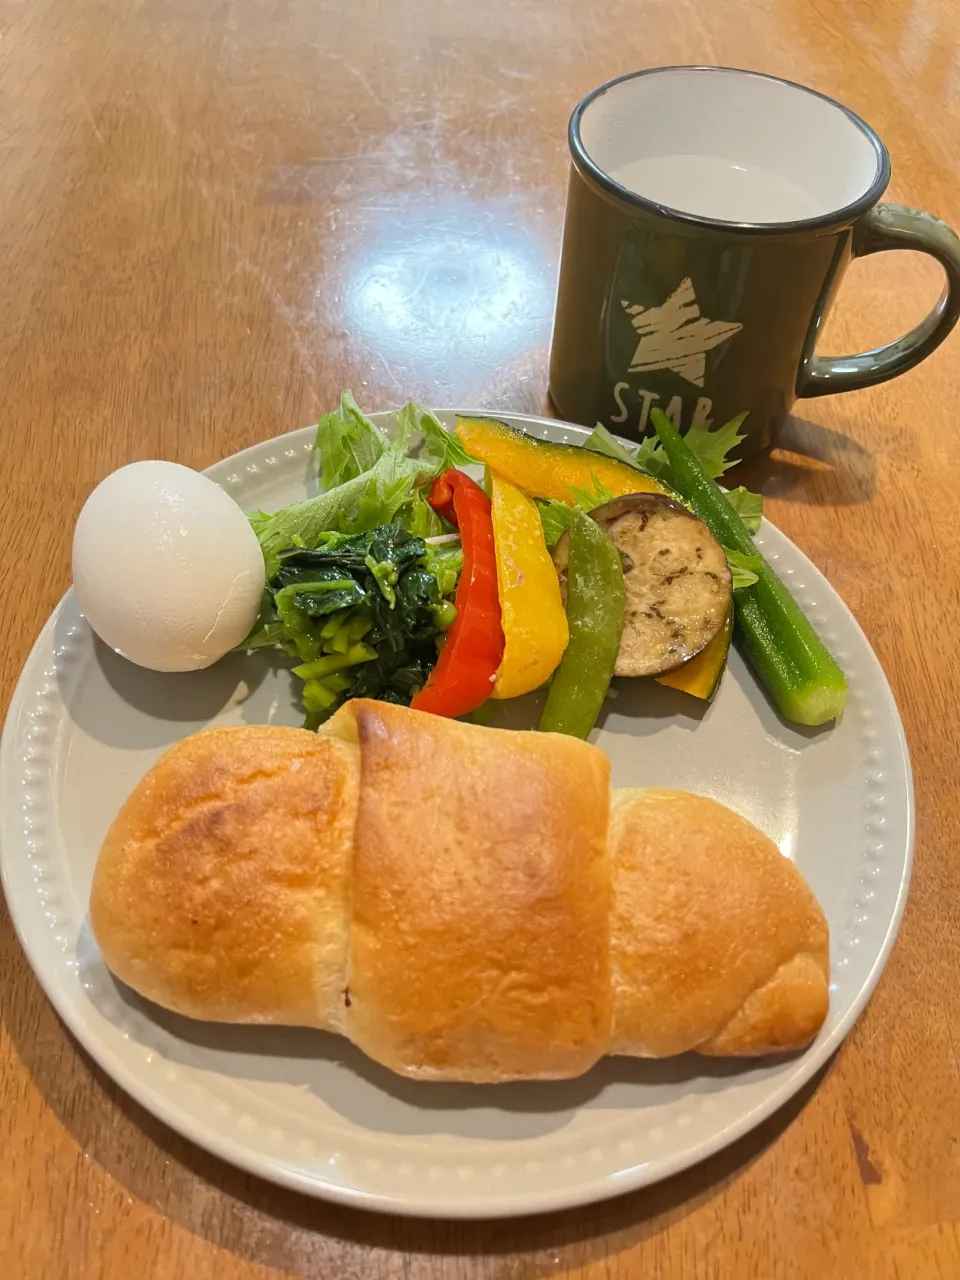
(743, 568)
(361, 578)
(711, 448)
(747, 505)
(362, 612)
(370, 479)
(348, 443)
(354, 590)
(384, 494)
(557, 517)
(441, 443)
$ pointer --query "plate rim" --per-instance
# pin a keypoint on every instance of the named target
(218, 1142)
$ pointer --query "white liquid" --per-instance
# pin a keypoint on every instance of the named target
(715, 187)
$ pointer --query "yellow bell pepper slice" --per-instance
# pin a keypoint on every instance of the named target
(532, 613)
(544, 469)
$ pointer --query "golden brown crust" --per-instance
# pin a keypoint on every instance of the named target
(221, 888)
(783, 1014)
(479, 944)
(451, 899)
(717, 943)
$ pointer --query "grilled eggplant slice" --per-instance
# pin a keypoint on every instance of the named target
(677, 581)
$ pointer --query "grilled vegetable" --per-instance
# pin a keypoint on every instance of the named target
(676, 581)
(595, 616)
(466, 669)
(775, 634)
(700, 677)
(546, 470)
(534, 623)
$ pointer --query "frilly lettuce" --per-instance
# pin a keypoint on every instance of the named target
(748, 506)
(711, 447)
(369, 479)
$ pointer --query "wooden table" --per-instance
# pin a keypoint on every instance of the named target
(215, 214)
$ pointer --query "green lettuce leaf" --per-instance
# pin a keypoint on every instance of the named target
(406, 424)
(587, 499)
(419, 518)
(710, 447)
(258, 520)
(742, 568)
(368, 478)
(381, 495)
(441, 443)
(557, 517)
(388, 492)
(348, 443)
(748, 506)
(648, 457)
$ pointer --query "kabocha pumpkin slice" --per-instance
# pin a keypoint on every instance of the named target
(544, 469)
(700, 677)
(678, 589)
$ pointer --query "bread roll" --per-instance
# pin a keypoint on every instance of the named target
(479, 939)
(463, 903)
(717, 943)
(222, 889)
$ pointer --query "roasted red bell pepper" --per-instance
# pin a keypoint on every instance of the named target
(470, 658)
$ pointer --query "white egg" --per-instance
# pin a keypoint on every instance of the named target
(166, 567)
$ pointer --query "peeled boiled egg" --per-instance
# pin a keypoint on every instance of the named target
(166, 567)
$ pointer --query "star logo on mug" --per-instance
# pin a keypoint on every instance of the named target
(676, 336)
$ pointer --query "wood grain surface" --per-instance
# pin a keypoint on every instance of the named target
(215, 214)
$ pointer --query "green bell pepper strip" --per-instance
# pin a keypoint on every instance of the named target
(595, 618)
(775, 635)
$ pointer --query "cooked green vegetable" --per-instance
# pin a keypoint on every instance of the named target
(362, 612)
(595, 597)
(353, 590)
(776, 636)
(676, 584)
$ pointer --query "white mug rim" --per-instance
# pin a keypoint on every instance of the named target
(848, 213)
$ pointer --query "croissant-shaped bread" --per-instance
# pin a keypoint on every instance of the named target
(463, 903)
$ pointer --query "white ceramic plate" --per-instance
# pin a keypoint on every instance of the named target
(307, 1110)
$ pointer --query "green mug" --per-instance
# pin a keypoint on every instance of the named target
(711, 214)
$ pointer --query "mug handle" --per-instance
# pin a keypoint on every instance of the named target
(891, 226)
